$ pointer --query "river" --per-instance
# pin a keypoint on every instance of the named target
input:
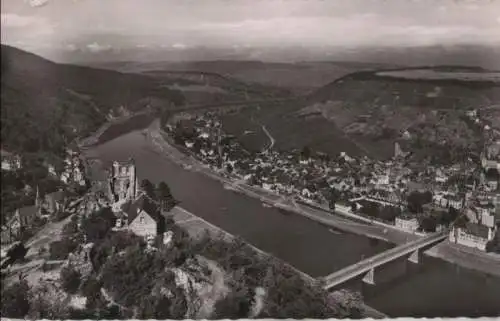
(432, 289)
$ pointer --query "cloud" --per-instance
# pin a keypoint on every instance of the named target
(95, 47)
(350, 30)
(179, 46)
(11, 20)
(37, 3)
(26, 25)
(71, 47)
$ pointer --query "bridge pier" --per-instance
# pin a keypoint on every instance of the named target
(414, 257)
(370, 277)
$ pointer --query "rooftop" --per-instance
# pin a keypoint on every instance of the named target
(477, 230)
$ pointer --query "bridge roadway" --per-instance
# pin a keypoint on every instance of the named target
(365, 266)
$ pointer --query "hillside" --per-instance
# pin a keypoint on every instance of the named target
(276, 78)
(376, 108)
(45, 104)
(364, 113)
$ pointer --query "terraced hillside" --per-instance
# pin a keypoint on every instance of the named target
(366, 112)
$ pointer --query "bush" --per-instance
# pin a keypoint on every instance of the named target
(91, 287)
(236, 305)
(59, 250)
(70, 280)
(132, 275)
(61, 216)
(97, 226)
(15, 303)
(70, 228)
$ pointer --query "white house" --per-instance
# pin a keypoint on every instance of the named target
(407, 223)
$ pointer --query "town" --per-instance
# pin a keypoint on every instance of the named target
(411, 196)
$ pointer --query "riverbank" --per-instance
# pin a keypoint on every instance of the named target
(202, 224)
(468, 258)
(435, 288)
(194, 224)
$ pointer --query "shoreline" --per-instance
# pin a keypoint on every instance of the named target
(445, 251)
(368, 311)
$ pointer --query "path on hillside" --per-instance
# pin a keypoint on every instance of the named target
(271, 138)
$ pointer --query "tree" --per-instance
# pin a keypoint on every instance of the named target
(164, 196)
(91, 287)
(44, 306)
(70, 279)
(15, 303)
(306, 152)
(428, 224)
(70, 228)
(334, 197)
(178, 304)
(389, 213)
(235, 305)
(415, 202)
(354, 207)
(148, 188)
(59, 250)
(98, 224)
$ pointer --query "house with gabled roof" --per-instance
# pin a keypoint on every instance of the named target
(22, 219)
(141, 216)
(53, 202)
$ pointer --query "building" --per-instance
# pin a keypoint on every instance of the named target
(445, 200)
(142, 217)
(407, 223)
(455, 201)
(53, 202)
(472, 235)
(492, 178)
(123, 183)
(387, 196)
(10, 162)
(22, 219)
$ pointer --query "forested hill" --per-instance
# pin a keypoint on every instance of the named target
(45, 104)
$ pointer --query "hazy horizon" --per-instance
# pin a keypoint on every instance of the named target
(59, 28)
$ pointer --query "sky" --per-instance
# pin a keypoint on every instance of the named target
(98, 25)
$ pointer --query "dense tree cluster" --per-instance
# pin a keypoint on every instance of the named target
(159, 194)
(15, 300)
(382, 212)
(416, 200)
(97, 226)
(70, 279)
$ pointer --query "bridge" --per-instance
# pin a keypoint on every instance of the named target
(368, 265)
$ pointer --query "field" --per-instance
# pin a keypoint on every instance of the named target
(289, 129)
(434, 74)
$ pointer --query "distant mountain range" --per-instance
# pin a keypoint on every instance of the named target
(468, 55)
